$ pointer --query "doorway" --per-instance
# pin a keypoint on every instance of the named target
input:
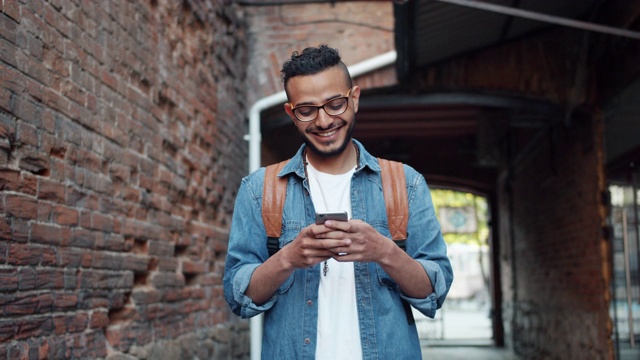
(625, 249)
(466, 316)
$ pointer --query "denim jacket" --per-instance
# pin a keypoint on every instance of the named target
(290, 316)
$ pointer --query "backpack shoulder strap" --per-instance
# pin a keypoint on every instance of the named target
(274, 192)
(394, 188)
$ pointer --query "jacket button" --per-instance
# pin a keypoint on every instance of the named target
(307, 341)
(309, 302)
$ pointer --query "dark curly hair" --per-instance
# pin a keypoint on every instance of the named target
(312, 61)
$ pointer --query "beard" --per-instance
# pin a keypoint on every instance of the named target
(334, 152)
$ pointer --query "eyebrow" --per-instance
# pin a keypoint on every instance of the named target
(325, 101)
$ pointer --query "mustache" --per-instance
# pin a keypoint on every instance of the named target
(333, 125)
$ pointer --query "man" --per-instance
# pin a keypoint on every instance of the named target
(334, 290)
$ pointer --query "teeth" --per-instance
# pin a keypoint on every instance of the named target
(326, 134)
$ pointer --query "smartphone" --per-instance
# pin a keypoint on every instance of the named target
(321, 217)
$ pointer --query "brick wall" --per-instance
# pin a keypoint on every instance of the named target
(121, 149)
(555, 259)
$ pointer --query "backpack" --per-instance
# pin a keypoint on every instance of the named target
(395, 197)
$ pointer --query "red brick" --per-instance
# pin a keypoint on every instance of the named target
(8, 55)
(4, 248)
(9, 179)
(92, 279)
(50, 234)
(35, 162)
(7, 331)
(167, 279)
(71, 257)
(5, 228)
(101, 222)
(27, 278)
(168, 264)
(27, 134)
(161, 248)
(48, 278)
(135, 263)
(28, 184)
(106, 260)
(145, 296)
(83, 238)
(64, 301)
(99, 320)
(51, 191)
(44, 211)
(63, 215)
(189, 267)
(20, 230)
(110, 242)
(11, 9)
(70, 323)
(49, 256)
(21, 206)
(28, 304)
(30, 114)
(8, 28)
(33, 327)
(23, 254)
(9, 280)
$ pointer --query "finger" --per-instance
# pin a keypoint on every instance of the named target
(338, 225)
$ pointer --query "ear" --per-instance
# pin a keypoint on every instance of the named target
(287, 108)
(355, 97)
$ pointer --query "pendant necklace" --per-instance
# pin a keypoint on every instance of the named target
(325, 267)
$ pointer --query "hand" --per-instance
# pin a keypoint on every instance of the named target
(312, 245)
(360, 241)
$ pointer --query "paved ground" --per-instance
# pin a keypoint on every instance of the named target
(463, 332)
(465, 353)
(489, 353)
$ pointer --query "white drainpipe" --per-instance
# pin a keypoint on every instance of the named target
(255, 137)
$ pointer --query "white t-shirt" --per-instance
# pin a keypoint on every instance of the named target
(338, 325)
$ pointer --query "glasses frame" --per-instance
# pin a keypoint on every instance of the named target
(318, 107)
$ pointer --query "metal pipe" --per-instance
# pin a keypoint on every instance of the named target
(614, 289)
(634, 188)
(532, 15)
(627, 270)
(255, 137)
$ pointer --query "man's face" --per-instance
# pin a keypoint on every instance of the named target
(326, 135)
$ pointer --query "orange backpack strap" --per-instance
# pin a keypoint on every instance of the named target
(274, 192)
(394, 188)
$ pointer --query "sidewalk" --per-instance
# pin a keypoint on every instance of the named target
(465, 353)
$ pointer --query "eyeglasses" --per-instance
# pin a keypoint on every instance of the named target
(333, 107)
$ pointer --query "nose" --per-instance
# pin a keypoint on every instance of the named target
(323, 120)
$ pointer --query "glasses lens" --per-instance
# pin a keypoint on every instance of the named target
(336, 106)
(306, 113)
(333, 107)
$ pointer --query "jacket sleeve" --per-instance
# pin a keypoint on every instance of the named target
(426, 244)
(247, 248)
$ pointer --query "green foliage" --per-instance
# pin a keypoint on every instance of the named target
(452, 198)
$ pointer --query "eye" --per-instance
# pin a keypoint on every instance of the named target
(337, 104)
(305, 110)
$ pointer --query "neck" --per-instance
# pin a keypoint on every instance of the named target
(338, 164)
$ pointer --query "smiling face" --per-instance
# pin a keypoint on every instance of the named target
(326, 136)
